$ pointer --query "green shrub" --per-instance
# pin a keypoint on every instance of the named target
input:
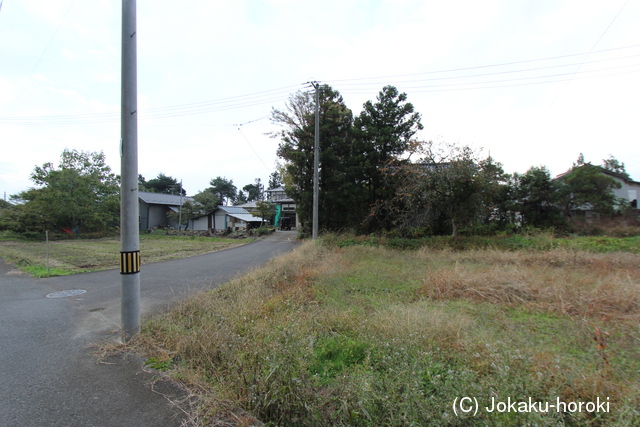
(264, 230)
(334, 354)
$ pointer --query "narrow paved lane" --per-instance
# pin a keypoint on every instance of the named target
(50, 378)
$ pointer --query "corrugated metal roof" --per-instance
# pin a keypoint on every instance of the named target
(162, 199)
(246, 217)
(247, 205)
(233, 209)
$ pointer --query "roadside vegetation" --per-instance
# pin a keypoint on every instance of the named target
(76, 255)
(351, 332)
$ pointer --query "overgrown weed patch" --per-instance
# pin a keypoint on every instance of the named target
(361, 335)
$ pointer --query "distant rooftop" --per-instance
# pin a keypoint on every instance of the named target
(233, 209)
(162, 199)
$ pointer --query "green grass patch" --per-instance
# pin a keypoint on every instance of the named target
(159, 364)
(41, 271)
(362, 335)
(334, 354)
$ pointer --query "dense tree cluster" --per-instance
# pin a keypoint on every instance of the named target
(352, 152)
(161, 184)
(374, 174)
(81, 193)
(368, 181)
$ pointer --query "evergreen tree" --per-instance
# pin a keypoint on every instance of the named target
(240, 198)
(223, 188)
(537, 197)
(384, 131)
(161, 184)
(586, 187)
(612, 164)
(337, 184)
(265, 210)
(274, 180)
(207, 201)
(254, 191)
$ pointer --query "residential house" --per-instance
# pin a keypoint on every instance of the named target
(629, 189)
(249, 206)
(225, 217)
(285, 206)
(154, 208)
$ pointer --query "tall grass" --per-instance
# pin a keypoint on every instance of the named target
(541, 241)
(368, 336)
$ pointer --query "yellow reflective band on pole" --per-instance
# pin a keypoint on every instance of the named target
(130, 262)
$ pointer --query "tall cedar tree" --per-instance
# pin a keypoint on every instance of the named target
(336, 207)
(274, 180)
(353, 153)
(384, 131)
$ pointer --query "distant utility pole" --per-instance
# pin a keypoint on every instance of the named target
(316, 161)
(129, 226)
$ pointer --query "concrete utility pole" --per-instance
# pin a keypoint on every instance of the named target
(316, 160)
(129, 226)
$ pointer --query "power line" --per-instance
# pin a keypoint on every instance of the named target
(254, 151)
(594, 46)
(47, 46)
(476, 67)
(357, 86)
(525, 70)
(231, 103)
(493, 84)
(52, 37)
(250, 121)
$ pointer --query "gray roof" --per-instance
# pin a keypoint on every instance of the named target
(233, 209)
(240, 213)
(273, 190)
(621, 177)
(247, 205)
(246, 217)
(236, 212)
(162, 199)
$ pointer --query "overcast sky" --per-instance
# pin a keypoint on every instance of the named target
(530, 82)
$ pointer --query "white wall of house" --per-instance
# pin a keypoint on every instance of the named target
(199, 224)
(629, 190)
(220, 220)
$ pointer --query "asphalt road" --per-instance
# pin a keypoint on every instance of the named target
(48, 375)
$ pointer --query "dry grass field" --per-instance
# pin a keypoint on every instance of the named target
(81, 255)
(370, 336)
